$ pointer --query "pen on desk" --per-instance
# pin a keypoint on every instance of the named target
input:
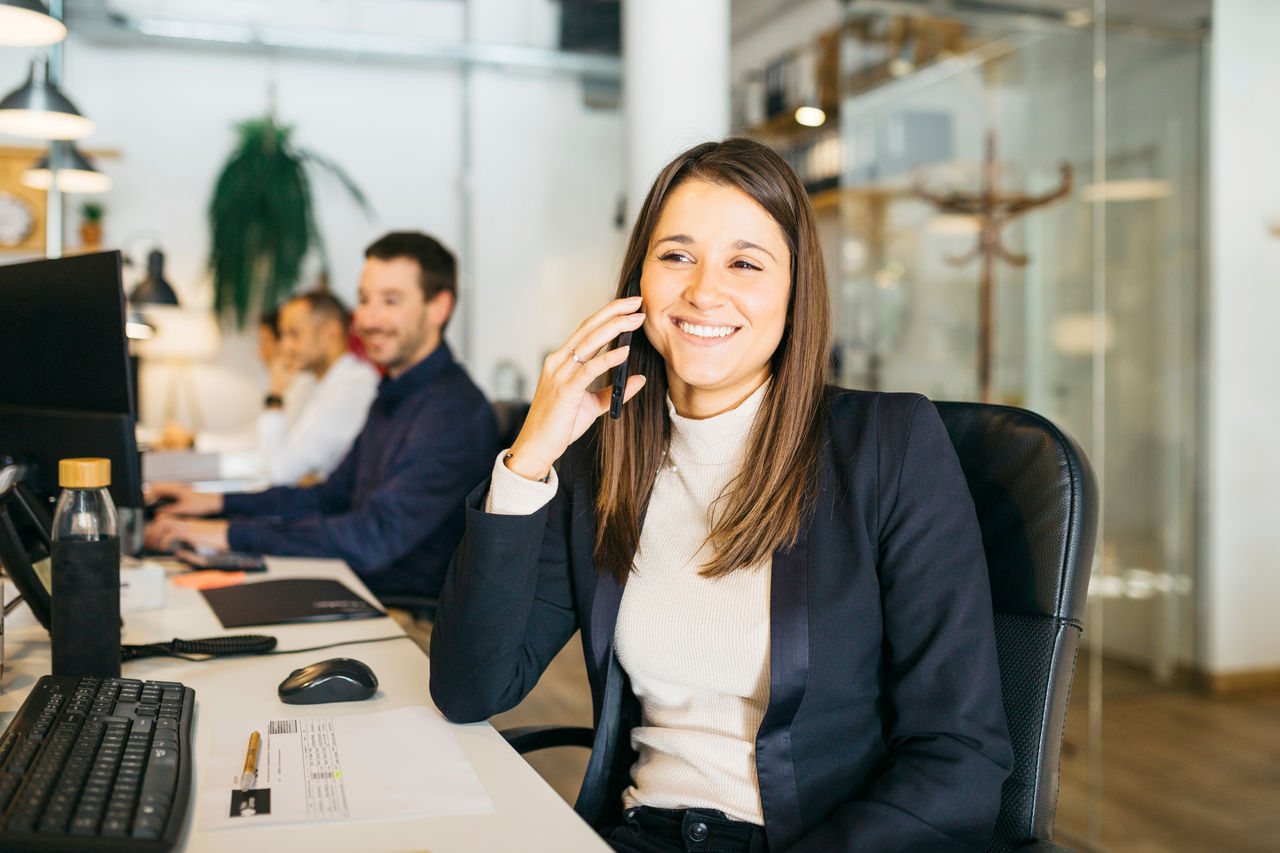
(250, 762)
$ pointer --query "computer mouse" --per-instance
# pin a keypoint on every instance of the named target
(333, 680)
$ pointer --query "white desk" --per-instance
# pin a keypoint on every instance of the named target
(528, 814)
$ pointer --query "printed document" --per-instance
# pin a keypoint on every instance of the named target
(397, 764)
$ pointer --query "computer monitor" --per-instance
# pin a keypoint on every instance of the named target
(65, 383)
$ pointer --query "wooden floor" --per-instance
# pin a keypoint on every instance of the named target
(1181, 771)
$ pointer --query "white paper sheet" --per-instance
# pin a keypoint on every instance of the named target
(403, 763)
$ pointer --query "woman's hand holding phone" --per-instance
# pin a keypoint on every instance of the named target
(563, 406)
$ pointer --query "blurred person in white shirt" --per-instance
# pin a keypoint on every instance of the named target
(314, 335)
(316, 402)
(297, 387)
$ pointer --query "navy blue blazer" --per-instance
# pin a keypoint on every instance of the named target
(885, 729)
(393, 507)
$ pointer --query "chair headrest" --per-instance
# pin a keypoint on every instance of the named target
(1037, 502)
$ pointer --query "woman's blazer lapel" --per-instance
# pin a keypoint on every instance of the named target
(604, 618)
(788, 676)
(606, 598)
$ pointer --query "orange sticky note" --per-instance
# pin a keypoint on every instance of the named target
(210, 579)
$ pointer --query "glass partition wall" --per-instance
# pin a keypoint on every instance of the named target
(1052, 172)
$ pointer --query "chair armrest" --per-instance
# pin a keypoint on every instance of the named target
(530, 738)
(421, 606)
(1041, 845)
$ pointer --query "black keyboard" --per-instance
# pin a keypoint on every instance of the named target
(96, 764)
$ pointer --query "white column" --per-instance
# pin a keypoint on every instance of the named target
(675, 83)
(1241, 508)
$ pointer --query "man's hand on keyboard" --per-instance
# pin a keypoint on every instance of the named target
(166, 532)
(181, 499)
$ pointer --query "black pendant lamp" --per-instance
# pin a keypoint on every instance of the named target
(39, 110)
(27, 23)
(77, 175)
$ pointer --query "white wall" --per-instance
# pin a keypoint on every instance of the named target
(1242, 501)
(548, 177)
(546, 174)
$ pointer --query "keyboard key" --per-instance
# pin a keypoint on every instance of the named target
(147, 827)
(115, 827)
(162, 772)
(84, 824)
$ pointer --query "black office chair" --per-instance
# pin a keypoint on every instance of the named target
(510, 415)
(1037, 503)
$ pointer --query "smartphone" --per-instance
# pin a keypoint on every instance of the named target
(222, 561)
(621, 372)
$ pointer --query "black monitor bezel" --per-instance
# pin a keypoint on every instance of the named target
(40, 437)
(62, 327)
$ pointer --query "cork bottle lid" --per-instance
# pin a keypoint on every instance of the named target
(84, 473)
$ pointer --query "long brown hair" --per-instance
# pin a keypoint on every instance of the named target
(765, 505)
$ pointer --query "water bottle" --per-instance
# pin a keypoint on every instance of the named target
(85, 572)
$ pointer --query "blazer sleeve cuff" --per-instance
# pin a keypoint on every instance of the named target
(511, 494)
(240, 537)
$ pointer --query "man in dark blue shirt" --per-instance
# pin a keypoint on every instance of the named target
(393, 508)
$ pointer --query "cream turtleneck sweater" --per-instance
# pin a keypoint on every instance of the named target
(696, 648)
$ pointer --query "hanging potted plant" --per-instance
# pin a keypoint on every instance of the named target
(262, 219)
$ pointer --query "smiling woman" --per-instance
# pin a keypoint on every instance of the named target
(726, 237)
(780, 587)
(716, 300)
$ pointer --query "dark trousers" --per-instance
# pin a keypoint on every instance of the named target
(650, 830)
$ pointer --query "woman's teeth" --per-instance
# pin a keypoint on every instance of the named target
(706, 331)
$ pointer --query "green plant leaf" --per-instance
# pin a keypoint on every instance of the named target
(338, 172)
(262, 219)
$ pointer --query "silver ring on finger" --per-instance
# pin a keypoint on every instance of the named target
(574, 356)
